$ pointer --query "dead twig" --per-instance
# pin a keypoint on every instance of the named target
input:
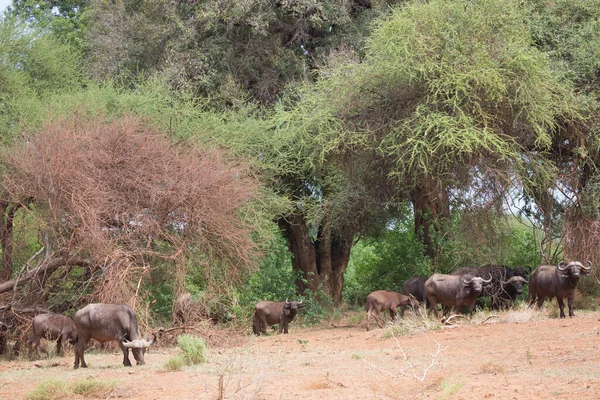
(446, 321)
(334, 382)
(488, 318)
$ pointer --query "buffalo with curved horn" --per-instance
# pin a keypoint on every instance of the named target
(559, 281)
(274, 312)
(108, 322)
(454, 290)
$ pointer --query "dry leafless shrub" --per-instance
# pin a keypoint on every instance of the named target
(412, 370)
(120, 193)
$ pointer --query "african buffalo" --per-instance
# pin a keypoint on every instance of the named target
(107, 322)
(454, 290)
(559, 281)
(52, 327)
(274, 312)
(505, 286)
(382, 300)
(186, 309)
(416, 286)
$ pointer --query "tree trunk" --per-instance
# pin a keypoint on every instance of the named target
(320, 261)
(46, 267)
(8, 211)
(431, 208)
(303, 252)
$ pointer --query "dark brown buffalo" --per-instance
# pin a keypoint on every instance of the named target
(59, 328)
(505, 286)
(559, 281)
(415, 286)
(454, 290)
(383, 300)
(274, 312)
(108, 322)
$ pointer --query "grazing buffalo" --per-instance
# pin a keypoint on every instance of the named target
(381, 300)
(416, 286)
(186, 309)
(3, 331)
(52, 327)
(505, 286)
(454, 290)
(274, 312)
(107, 322)
(559, 281)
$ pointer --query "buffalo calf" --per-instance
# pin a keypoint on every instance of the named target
(383, 300)
(59, 328)
(274, 312)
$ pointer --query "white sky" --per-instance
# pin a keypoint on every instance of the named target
(4, 4)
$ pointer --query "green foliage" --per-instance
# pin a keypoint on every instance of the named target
(193, 348)
(274, 278)
(479, 239)
(568, 31)
(384, 262)
(33, 65)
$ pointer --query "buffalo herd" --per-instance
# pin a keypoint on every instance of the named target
(461, 288)
(499, 283)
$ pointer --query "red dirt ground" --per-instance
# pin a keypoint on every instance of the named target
(497, 358)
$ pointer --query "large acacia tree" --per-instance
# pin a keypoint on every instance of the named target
(448, 94)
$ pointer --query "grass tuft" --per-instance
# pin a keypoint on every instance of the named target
(193, 348)
(92, 388)
(50, 389)
(175, 363)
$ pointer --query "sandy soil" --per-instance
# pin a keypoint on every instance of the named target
(517, 355)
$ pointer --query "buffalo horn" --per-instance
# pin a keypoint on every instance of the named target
(561, 266)
(589, 263)
(138, 343)
(489, 280)
(516, 279)
(468, 281)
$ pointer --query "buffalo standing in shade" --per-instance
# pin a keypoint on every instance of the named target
(59, 328)
(559, 281)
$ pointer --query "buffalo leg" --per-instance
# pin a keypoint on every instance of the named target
(561, 305)
(540, 301)
(60, 344)
(570, 301)
(378, 318)
(79, 350)
(369, 319)
(125, 350)
(433, 306)
(283, 326)
(393, 313)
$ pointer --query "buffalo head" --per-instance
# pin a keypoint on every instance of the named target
(574, 270)
(139, 343)
(475, 284)
(291, 307)
(517, 282)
